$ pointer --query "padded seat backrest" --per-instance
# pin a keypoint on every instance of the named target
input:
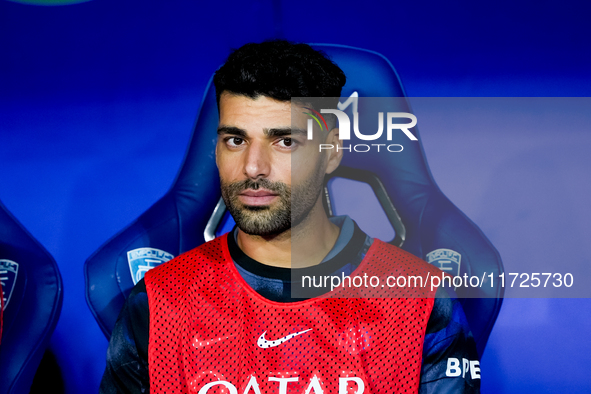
(32, 291)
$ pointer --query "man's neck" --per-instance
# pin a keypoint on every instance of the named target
(302, 246)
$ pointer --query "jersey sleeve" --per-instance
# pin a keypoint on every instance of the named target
(127, 355)
(450, 360)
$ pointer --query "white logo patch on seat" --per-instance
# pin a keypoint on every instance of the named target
(446, 260)
(142, 260)
(8, 275)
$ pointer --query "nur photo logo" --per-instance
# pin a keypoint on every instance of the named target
(389, 123)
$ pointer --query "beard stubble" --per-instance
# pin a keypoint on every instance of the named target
(276, 218)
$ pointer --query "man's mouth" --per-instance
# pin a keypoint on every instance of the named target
(257, 197)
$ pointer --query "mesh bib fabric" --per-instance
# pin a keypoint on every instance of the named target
(211, 333)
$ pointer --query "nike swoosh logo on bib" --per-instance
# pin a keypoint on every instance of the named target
(264, 344)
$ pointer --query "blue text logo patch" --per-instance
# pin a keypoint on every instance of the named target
(8, 275)
(446, 260)
(144, 259)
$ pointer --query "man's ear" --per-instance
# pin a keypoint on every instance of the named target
(336, 155)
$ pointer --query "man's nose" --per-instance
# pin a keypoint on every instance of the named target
(257, 162)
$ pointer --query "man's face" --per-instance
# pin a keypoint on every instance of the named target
(259, 144)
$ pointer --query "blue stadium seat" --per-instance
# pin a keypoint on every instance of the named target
(1, 310)
(32, 290)
(435, 229)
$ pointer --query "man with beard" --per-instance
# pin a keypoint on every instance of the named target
(222, 318)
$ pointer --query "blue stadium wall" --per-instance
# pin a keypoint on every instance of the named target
(98, 99)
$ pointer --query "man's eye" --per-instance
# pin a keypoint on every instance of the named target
(235, 141)
(286, 142)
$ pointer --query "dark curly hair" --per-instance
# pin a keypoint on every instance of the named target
(281, 70)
